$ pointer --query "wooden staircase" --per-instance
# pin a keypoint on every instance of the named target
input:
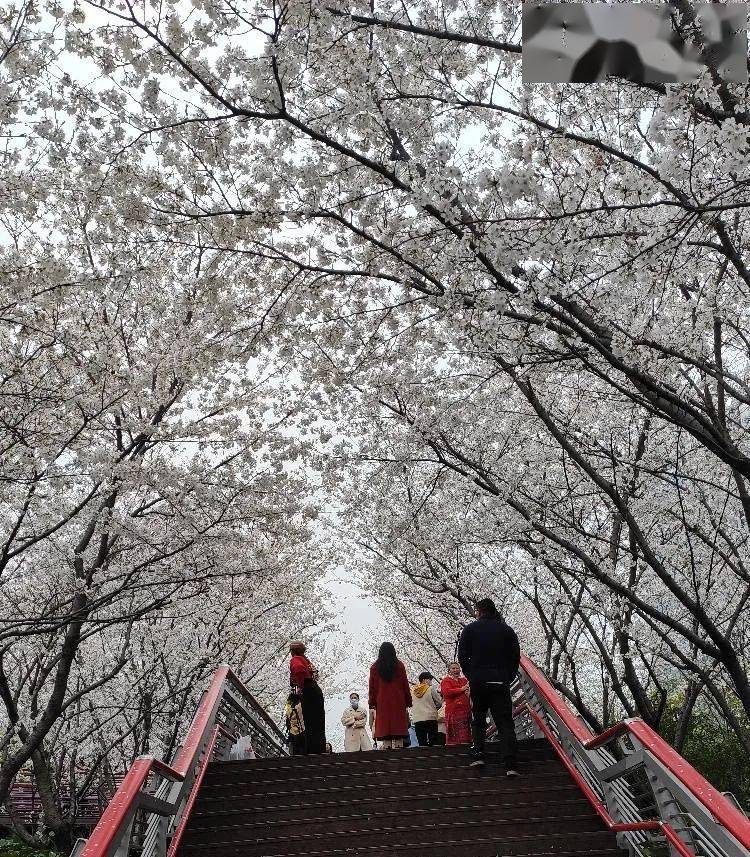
(424, 802)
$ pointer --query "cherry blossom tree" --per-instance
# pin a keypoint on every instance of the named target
(147, 468)
(145, 708)
(537, 527)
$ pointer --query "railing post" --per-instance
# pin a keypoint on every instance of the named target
(670, 811)
(160, 845)
(224, 749)
(533, 701)
(666, 801)
(612, 800)
(78, 847)
(123, 847)
(231, 723)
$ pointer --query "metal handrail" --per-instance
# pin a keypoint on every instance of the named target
(226, 711)
(617, 827)
(180, 829)
(694, 818)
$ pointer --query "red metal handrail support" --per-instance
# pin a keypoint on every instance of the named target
(169, 805)
(715, 826)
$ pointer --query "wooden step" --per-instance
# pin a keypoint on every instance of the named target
(362, 824)
(340, 762)
(359, 775)
(475, 841)
(554, 802)
(405, 789)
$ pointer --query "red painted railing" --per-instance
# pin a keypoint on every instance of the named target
(86, 809)
(616, 827)
(717, 806)
(178, 834)
(112, 833)
(123, 804)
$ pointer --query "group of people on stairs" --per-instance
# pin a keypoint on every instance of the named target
(432, 716)
(477, 683)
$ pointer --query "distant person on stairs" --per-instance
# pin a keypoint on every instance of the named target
(304, 677)
(354, 720)
(426, 702)
(489, 654)
(455, 690)
(389, 697)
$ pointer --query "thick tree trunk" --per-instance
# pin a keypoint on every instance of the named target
(61, 827)
(20, 830)
(692, 692)
(32, 740)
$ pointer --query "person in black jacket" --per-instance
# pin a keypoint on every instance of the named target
(489, 654)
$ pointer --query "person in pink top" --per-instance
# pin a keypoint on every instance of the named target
(454, 689)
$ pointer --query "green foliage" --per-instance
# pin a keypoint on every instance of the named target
(712, 747)
(15, 848)
(655, 849)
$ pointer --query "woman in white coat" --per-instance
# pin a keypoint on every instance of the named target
(354, 720)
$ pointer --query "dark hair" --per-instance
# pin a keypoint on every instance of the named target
(487, 606)
(386, 662)
(425, 675)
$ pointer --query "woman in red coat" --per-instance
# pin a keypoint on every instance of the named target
(304, 677)
(389, 697)
(455, 691)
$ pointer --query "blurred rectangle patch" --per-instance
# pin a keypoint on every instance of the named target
(641, 42)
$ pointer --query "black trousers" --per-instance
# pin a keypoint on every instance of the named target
(426, 732)
(494, 698)
(297, 745)
(314, 717)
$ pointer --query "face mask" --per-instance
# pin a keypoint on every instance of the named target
(354, 703)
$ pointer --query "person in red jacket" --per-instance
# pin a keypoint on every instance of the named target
(454, 689)
(389, 697)
(304, 677)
